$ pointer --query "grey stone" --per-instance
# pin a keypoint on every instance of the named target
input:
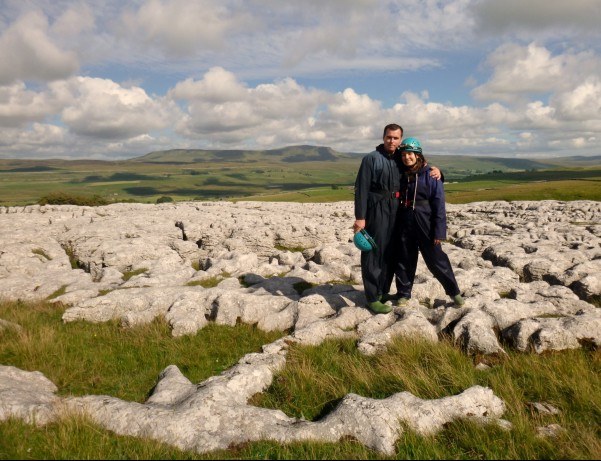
(527, 269)
(549, 431)
(27, 395)
(544, 408)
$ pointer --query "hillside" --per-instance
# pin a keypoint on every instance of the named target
(455, 165)
(292, 154)
(294, 173)
(459, 166)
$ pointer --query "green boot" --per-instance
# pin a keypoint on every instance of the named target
(458, 300)
(402, 302)
(380, 308)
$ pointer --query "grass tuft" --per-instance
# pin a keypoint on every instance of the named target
(61, 291)
(71, 255)
(64, 198)
(129, 274)
(279, 247)
(206, 283)
(42, 253)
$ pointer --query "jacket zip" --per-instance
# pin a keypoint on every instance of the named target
(415, 190)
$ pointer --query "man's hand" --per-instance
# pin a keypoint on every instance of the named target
(358, 225)
(435, 172)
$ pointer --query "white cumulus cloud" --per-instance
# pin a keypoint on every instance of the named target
(182, 27)
(27, 52)
(519, 71)
(103, 109)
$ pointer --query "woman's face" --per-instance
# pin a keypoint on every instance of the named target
(409, 158)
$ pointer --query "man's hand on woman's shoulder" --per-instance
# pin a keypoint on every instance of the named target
(435, 172)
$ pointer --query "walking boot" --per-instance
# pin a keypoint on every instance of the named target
(380, 308)
(401, 302)
(458, 300)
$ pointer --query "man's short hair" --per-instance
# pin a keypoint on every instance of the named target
(392, 127)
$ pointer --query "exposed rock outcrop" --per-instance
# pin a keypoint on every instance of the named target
(530, 271)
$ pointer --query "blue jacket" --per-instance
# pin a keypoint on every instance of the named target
(424, 197)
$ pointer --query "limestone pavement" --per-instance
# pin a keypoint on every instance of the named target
(530, 272)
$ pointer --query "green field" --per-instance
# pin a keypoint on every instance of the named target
(301, 173)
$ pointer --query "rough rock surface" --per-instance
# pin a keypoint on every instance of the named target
(530, 271)
(215, 415)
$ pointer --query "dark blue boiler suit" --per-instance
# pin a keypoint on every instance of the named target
(422, 218)
(376, 201)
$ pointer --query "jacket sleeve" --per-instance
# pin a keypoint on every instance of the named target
(439, 214)
(362, 186)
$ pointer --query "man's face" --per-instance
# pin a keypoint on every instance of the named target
(392, 140)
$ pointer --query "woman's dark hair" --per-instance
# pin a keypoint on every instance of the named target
(421, 160)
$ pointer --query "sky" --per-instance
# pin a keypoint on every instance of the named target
(112, 80)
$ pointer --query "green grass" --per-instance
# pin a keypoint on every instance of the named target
(80, 182)
(211, 282)
(314, 195)
(510, 190)
(290, 249)
(129, 274)
(82, 358)
(272, 178)
(71, 255)
(42, 253)
(61, 291)
(317, 377)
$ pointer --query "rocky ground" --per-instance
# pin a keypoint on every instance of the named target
(530, 271)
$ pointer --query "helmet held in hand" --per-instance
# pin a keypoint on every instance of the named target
(364, 241)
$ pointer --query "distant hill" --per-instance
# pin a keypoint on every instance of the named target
(458, 166)
(291, 154)
(576, 161)
(464, 165)
(304, 153)
(295, 173)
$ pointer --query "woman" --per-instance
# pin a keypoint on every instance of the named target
(422, 225)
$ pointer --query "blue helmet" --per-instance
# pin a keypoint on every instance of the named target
(364, 241)
(411, 145)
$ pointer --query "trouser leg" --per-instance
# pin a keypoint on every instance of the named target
(407, 251)
(390, 262)
(439, 265)
(371, 272)
(374, 264)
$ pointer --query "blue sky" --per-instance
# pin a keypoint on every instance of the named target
(115, 80)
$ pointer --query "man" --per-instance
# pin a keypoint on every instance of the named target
(376, 207)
